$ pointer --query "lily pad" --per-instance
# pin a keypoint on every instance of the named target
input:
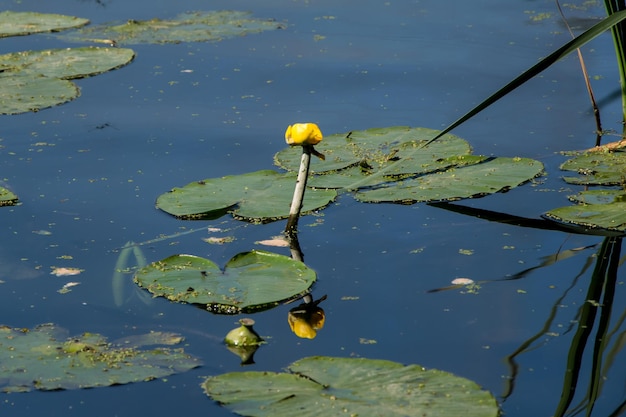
(7, 198)
(491, 176)
(21, 94)
(607, 211)
(325, 386)
(257, 196)
(66, 63)
(250, 281)
(396, 150)
(44, 358)
(26, 23)
(186, 27)
(597, 168)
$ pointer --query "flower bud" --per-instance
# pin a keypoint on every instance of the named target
(303, 134)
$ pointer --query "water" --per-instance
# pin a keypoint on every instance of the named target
(89, 172)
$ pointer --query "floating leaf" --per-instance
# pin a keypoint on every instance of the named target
(393, 149)
(258, 196)
(45, 359)
(250, 281)
(609, 213)
(597, 168)
(25, 23)
(489, 177)
(66, 63)
(7, 198)
(186, 27)
(24, 93)
(326, 386)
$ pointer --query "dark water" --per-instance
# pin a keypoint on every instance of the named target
(88, 172)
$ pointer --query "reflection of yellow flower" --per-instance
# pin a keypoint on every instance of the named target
(303, 134)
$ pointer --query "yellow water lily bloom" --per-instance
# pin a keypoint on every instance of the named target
(303, 134)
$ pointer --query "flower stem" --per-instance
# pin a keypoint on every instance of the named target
(298, 192)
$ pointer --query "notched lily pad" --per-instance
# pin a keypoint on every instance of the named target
(597, 209)
(490, 176)
(21, 94)
(250, 281)
(7, 198)
(186, 27)
(66, 63)
(44, 358)
(260, 196)
(325, 386)
(26, 23)
(597, 168)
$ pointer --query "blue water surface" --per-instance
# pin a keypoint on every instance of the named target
(88, 173)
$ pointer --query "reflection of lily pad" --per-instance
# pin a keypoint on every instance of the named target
(324, 386)
(251, 280)
(606, 211)
(597, 168)
(25, 23)
(259, 196)
(67, 63)
(488, 177)
(7, 198)
(20, 94)
(187, 27)
(45, 359)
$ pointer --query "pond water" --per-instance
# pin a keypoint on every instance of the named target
(88, 173)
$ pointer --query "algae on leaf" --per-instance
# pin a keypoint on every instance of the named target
(7, 198)
(326, 386)
(26, 23)
(250, 281)
(44, 358)
(186, 27)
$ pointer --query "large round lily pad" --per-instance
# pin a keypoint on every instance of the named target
(477, 180)
(25, 23)
(66, 63)
(44, 358)
(186, 27)
(597, 209)
(250, 281)
(325, 386)
(257, 196)
(21, 94)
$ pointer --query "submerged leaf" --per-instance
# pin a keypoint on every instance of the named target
(186, 27)
(325, 386)
(25, 23)
(250, 281)
(44, 358)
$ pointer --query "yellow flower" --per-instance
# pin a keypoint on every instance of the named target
(303, 134)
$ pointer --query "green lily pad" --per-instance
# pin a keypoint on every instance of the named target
(491, 176)
(597, 168)
(7, 198)
(257, 196)
(44, 358)
(250, 281)
(186, 27)
(21, 94)
(25, 23)
(325, 386)
(607, 211)
(66, 63)
(394, 150)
